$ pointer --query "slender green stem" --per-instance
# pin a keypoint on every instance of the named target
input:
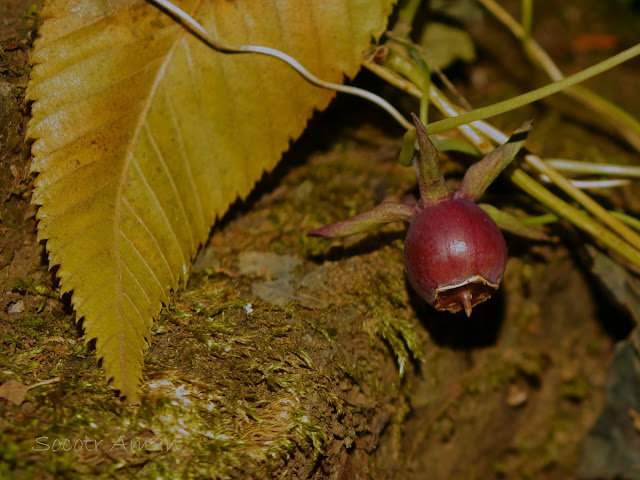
(625, 123)
(585, 200)
(619, 119)
(628, 219)
(548, 218)
(392, 77)
(532, 48)
(408, 147)
(543, 219)
(575, 216)
(424, 102)
(406, 14)
(448, 84)
(422, 64)
(471, 132)
(398, 61)
(577, 166)
(534, 95)
(436, 96)
(526, 16)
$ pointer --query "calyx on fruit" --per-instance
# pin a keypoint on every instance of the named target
(454, 253)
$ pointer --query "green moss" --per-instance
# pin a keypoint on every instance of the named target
(576, 389)
(471, 387)
(595, 346)
(444, 427)
(402, 339)
(500, 376)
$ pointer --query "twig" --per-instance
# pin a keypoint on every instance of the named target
(45, 382)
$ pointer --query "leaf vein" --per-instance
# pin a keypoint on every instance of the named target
(89, 197)
(83, 301)
(174, 188)
(80, 267)
(132, 323)
(200, 102)
(162, 211)
(120, 197)
(185, 160)
(89, 323)
(153, 238)
(84, 231)
(122, 84)
(146, 264)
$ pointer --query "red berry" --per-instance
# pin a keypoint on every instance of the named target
(454, 254)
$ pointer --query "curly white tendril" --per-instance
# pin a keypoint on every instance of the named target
(197, 29)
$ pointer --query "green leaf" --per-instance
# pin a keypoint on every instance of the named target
(144, 135)
(445, 44)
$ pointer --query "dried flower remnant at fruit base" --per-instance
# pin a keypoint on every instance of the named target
(454, 253)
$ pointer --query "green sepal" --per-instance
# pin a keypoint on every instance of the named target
(384, 213)
(433, 188)
(482, 173)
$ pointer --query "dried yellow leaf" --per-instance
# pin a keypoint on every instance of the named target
(144, 135)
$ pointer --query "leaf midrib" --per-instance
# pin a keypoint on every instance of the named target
(122, 340)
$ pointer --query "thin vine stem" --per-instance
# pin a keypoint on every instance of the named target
(526, 6)
(627, 125)
(534, 95)
(194, 27)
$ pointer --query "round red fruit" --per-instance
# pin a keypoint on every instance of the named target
(454, 255)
